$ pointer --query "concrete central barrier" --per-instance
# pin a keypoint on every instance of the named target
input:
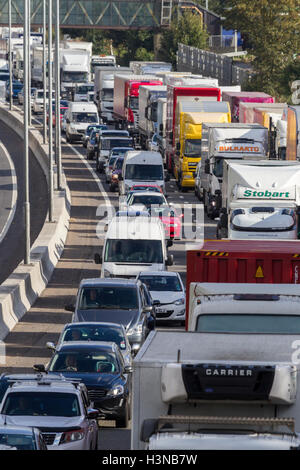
(27, 282)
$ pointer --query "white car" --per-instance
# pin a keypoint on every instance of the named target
(167, 288)
(38, 100)
(145, 199)
(58, 407)
(152, 144)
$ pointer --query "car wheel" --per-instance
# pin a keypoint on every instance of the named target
(123, 422)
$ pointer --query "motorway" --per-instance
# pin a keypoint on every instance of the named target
(26, 344)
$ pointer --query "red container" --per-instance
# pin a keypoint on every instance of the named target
(260, 261)
(236, 97)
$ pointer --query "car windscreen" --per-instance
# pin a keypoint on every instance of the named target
(99, 332)
(161, 283)
(108, 144)
(41, 404)
(118, 164)
(85, 361)
(147, 200)
(144, 172)
(117, 151)
(108, 297)
(133, 251)
(84, 117)
(248, 323)
(18, 441)
(112, 161)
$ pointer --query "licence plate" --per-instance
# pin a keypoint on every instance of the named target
(162, 310)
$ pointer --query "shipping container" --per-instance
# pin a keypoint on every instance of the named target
(238, 261)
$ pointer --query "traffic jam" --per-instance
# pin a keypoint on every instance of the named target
(191, 352)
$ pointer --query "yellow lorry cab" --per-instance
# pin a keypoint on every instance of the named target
(188, 134)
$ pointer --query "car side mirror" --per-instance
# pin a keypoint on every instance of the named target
(39, 368)
(92, 413)
(70, 308)
(51, 346)
(98, 258)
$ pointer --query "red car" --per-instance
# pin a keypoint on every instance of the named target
(171, 220)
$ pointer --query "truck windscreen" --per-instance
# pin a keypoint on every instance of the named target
(144, 172)
(133, 251)
(84, 117)
(192, 148)
(74, 77)
(249, 323)
(134, 102)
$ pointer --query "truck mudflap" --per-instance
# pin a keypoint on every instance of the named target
(234, 423)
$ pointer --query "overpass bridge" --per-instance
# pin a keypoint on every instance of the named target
(97, 14)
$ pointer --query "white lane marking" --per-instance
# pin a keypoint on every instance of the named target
(14, 193)
(94, 174)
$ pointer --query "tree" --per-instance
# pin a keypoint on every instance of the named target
(188, 30)
(272, 27)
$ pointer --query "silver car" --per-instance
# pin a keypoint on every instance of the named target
(58, 407)
(21, 438)
(96, 331)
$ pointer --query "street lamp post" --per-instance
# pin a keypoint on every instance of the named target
(29, 65)
(26, 141)
(10, 58)
(44, 74)
(57, 100)
(50, 120)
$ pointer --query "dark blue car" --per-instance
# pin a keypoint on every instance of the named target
(102, 369)
(16, 88)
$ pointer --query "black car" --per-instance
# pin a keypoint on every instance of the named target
(123, 301)
(102, 369)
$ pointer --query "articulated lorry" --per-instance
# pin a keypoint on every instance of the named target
(182, 92)
(216, 391)
(260, 199)
(74, 70)
(149, 68)
(148, 104)
(37, 66)
(161, 126)
(293, 133)
(104, 89)
(233, 141)
(235, 98)
(240, 262)
(126, 100)
(189, 117)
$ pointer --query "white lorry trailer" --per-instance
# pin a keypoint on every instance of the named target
(148, 105)
(104, 90)
(219, 307)
(260, 200)
(216, 391)
(222, 141)
(74, 70)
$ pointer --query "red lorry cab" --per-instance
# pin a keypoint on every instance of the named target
(237, 261)
(132, 91)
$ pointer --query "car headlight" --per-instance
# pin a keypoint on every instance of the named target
(106, 273)
(137, 330)
(179, 301)
(72, 436)
(116, 391)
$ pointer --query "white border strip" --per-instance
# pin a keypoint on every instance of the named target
(14, 193)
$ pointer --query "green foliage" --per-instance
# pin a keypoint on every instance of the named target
(272, 28)
(188, 29)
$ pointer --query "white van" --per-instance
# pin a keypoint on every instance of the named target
(132, 245)
(142, 167)
(78, 116)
